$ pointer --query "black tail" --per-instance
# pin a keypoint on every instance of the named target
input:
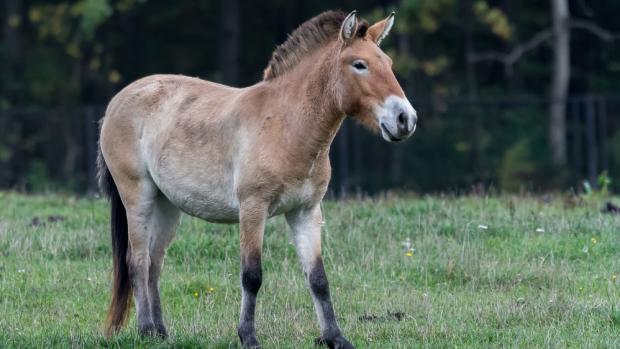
(121, 289)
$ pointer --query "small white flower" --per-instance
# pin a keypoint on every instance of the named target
(483, 227)
(21, 271)
(585, 249)
(89, 279)
(540, 230)
(407, 244)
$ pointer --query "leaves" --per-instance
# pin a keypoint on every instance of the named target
(495, 18)
(429, 13)
(94, 13)
(65, 22)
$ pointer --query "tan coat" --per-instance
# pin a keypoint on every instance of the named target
(225, 154)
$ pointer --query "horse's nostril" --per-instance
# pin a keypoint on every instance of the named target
(402, 121)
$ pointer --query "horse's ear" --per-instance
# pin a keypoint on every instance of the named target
(378, 31)
(349, 27)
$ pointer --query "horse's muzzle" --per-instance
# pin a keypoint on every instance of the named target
(397, 119)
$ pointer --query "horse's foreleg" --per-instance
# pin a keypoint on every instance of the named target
(306, 226)
(252, 218)
(164, 221)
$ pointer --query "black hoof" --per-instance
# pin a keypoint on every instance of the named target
(161, 331)
(250, 342)
(152, 331)
(334, 343)
(248, 338)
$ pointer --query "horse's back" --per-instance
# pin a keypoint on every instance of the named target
(144, 96)
(179, 133)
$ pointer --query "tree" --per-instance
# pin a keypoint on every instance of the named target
(560, 34)
(559, 81)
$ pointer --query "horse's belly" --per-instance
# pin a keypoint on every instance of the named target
(211, 198)
(211, 209)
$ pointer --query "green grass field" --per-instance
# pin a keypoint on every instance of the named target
(508, 272)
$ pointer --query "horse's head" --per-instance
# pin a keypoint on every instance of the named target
(368, 89)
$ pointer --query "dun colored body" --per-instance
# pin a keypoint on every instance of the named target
(172, 144)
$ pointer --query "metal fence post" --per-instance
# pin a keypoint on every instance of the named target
(602, 133)
(90, 126)
(343, 159)
(592, 152)
(577, 136)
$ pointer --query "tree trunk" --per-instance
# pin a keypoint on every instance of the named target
(560, 82)
(228, 46)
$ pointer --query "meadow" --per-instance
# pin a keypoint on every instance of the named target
(417, 272)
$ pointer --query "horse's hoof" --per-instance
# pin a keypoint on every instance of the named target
(247, 336)
(161, 331)
(250, 342)
(334, 343)
(152, 331)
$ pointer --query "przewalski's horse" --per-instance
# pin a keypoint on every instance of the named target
(173, 143)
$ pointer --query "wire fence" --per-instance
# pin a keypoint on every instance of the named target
(460, 143)
(463, 143)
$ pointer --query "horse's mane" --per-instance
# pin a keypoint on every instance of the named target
(309, 36)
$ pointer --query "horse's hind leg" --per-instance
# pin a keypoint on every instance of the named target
(145, 222)
(164, 221)
(139, 200)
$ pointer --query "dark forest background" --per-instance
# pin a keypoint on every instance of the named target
(512, 95)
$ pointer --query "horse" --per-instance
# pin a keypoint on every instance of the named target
(170, 144)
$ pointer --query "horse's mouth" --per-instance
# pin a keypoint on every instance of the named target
(390, 136)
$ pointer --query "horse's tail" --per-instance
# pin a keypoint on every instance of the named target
(121, 289)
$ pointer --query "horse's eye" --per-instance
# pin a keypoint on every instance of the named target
(359, 65)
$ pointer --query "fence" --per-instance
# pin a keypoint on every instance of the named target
(460, 143)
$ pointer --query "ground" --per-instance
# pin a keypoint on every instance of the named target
(419, 272)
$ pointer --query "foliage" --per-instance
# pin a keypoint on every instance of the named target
(604, 182)
(614, 150)
(94, 13)
(601, 191)
(517, 166)
(58, 54)
(525, 167)
(495, 18)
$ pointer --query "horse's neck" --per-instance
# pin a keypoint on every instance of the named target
(313, 118)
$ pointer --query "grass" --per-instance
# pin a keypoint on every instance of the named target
(464, 286)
